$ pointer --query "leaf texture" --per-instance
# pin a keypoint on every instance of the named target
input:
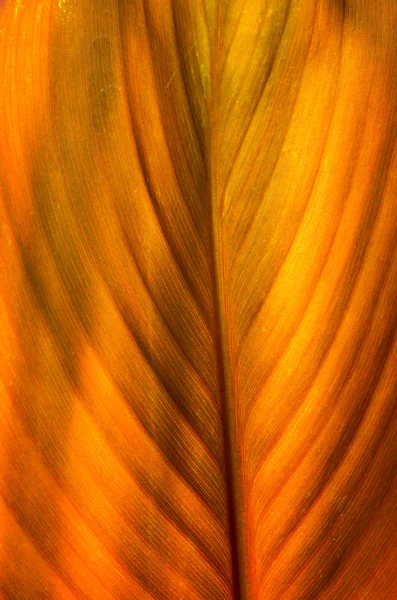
(198, 300)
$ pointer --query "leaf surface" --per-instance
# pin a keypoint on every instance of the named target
(198, 314)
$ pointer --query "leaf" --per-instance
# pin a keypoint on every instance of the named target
(198, 314)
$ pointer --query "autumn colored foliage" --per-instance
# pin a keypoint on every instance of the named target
(198, 300)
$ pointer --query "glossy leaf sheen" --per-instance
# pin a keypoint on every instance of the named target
(198, 299)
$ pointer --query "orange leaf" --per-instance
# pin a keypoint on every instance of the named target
(198, 299)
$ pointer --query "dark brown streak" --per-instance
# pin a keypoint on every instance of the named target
(160, 93)
(232, 475)
(182, 68)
